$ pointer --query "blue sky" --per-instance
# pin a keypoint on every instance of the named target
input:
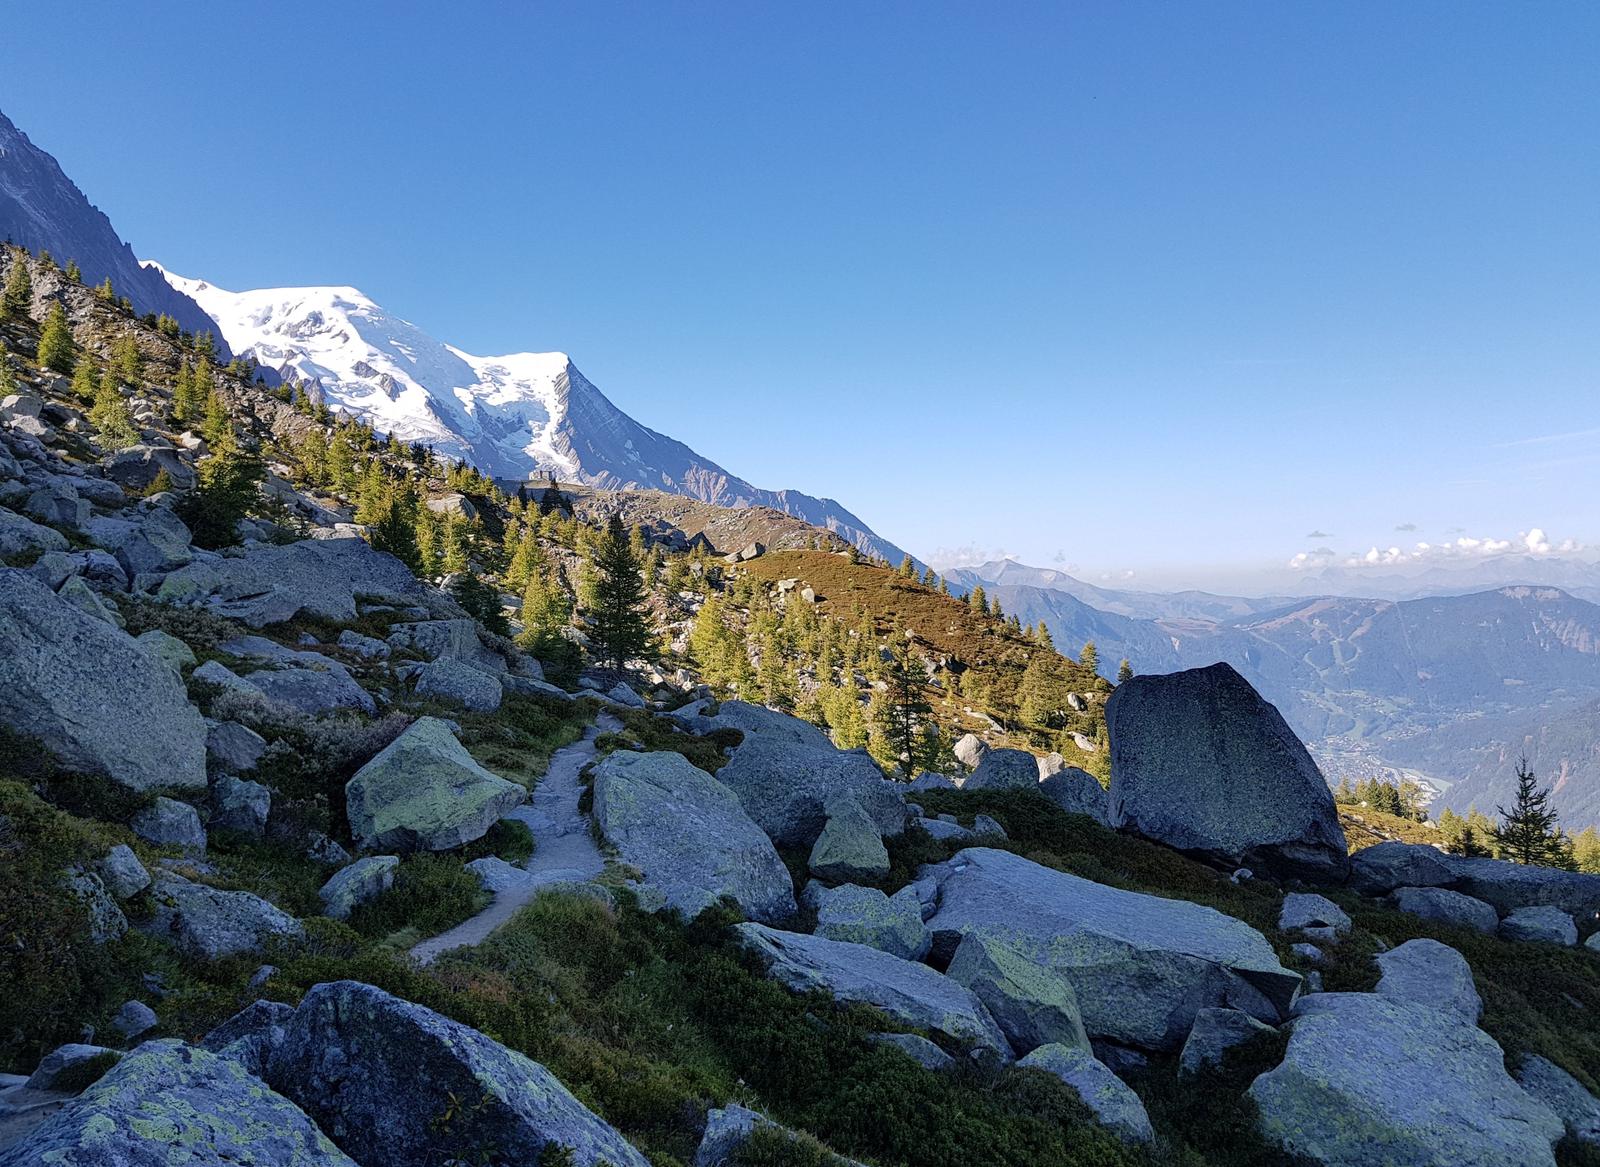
(1154, 287)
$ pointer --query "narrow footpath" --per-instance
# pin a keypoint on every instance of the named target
(563, 847)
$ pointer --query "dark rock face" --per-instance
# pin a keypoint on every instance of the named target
(1201, 762)
(41, 209)
(398, 1085)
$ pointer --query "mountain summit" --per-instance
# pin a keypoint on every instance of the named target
(43, 210)
(513, 416)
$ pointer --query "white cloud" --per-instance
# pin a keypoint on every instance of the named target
(969, 555)
(1533, 541)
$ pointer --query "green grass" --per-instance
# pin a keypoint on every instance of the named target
(642, 730)
(431, 894)
(517, 740)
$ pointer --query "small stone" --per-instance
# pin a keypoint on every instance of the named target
(134, 1018)
(1306, 910)
(122, 872)
(170, 823)
(1540, 924)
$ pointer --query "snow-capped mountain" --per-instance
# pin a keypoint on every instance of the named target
(512, 416)
(43, 210)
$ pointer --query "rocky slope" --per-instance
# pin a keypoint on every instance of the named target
(41, 209)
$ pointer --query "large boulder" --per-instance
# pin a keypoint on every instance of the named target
(170, 1103)
(91, 695)
(265, 583)
(378, 1073)
(1426, 972)
(1004, 770)
(730, 1127)
(785, 787)
(122, 872)
(1380, 869)
(1578, 1110)
(970, 749)
(424, 792)
(235, 747)
(1371, 1081)
(23, 536)
(251, 1035)
(1033, 1004)
(238, 804)
(139, 466)
(460, 684)
(204, 921)
(1077, 792)
(1114, 1104)
(705, 716)
(849, 847)
(913, 994)
(106, 921)
(1305, 911)
(1446, 907)
(64, 1060)
(689, 836)
(1141, 966)
(1201, 762)
(453, 640)
(307, 682)
(1540, 924)
(169, 823)
(157, 541)
(1508, 886)
(865, 915)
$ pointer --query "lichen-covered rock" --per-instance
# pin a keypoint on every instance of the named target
(913, 994)
(133, 1019)
(398, 1085)
(1215, 1032)
(1508, 886)
(752, 721)
(1372, 1081)
(453, 640)
(1116, 1106)
(849, 846)
(786, 786)
(367, 647)
(1447, 907)
(1201, 762)
(1540, 924)
(23, 536)
(238, 804)
(167, 649)
(356, 884)
(266, 583)
(1077, 792)
(122, 872)
(204, 921)
(1181, 957)
(1426, 972)
(73, 682)
(106, 921)
(865, 915)
(168, 1103)
(730, 1127)
(307, 682)
(424, 792)
(1578, 1110)
(689, 836)
(1033, 1004)
(170, 823)
(456, 683)
(62, 1059)
(1004, 770)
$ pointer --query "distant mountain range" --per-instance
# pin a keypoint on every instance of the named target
(1451, 689)
(41, 209)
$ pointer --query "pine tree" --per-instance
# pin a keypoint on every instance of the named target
(902, 708)
(616, 616)
(127, 361)
(1586, 850)
(105, 292)
(314, 457)
(84, 382)
(978, 600)
(74, 272)
(481, 601)
(908, 569)
(546, 618)
(1089, 658)
(186, 403)
(1529, 832)
(393, 526)
(8, 379)
(17, 298)
(57, 351)
(217, 427)
(226, 490)
(1124, 671)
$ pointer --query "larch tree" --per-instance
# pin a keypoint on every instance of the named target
(57, 351)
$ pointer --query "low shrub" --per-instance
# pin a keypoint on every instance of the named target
(508, 839)
(431, 893)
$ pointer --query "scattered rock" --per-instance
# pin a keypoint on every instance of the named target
(1306, 910)
(106, 921)
(729, 1128)
(234, 747)
(139, 466)
(985, 827)
(237, 804)
(849, 847)
(1447, 907)
(251, 1036)
(376, 1072)
(970, 749)
(22, 536)
(1507, 886)
(1370, 1080)
(454, 640)
(689, 836)
(167, 649)
(425, 792)
(929, 780)
(918, 1049)
(1380, 869)
(133, 1019)
(1540, 924)
(63, 1059)
(166, 1103)
(368, 647)
(460, 684)
(1033, 1004)
(1076, 792)
(68, 678)
(356, 884)
(911, 993)
(752, 721)
(1426, 972)
(1201, 762)
(1116, 1106)
(785, 788)
(1004, 770)
(1102, 940)
(1215, 1032)
(210, 923)
(122, 872)
(170, 823)
(865, 915)
(622, 694)
(1548, 1083)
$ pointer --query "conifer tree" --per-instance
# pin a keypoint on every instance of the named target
(1090, 658)
(616, 616)
(74, 272)
(1124, 671)
(84, 383)
(1529, 832)
(314, 457)
(978, 600)
(8, 379)
(224, 494)
(17, 298)
(105, 292)
(110, 415)
(392, 526)
(57, 351)
(481, 601)
(902, 707)
(186, 403)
